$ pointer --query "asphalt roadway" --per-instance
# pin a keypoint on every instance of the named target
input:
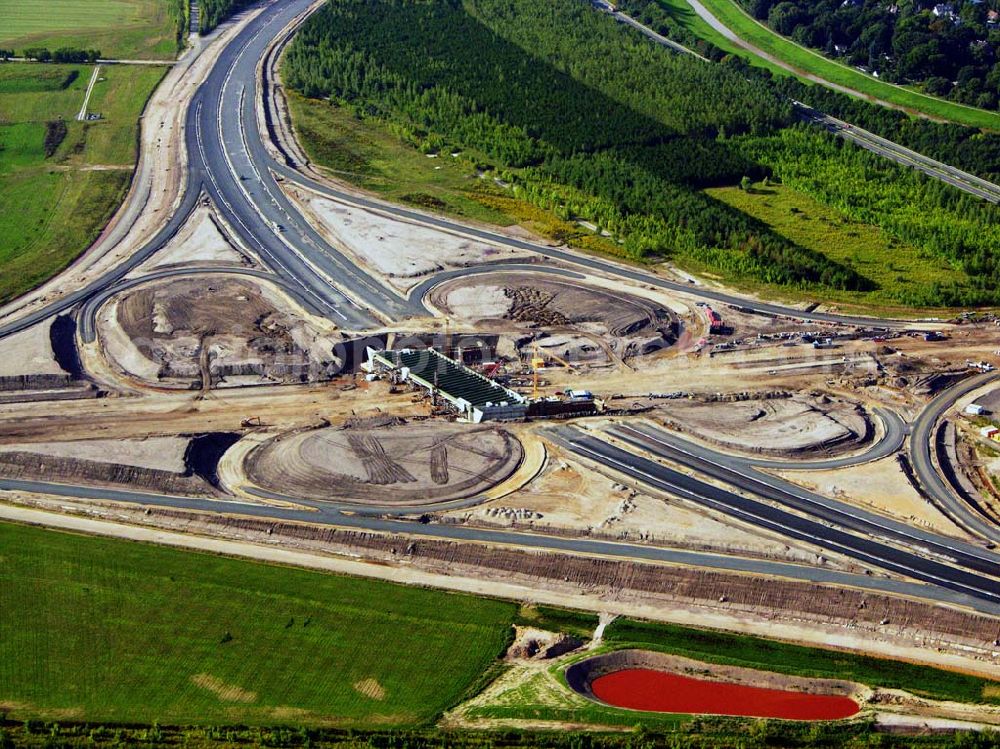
(866, 550)
(741, 474)
(927, 474)
(982, 602)
(964, 181)
(228, 161)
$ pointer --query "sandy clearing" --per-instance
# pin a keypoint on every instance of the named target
(119, 349)
(29, 352)
(568, 496)
(198, 242)
(401, 251)
(483, 301)
(160, 453)
(880, 485)
(779, 426)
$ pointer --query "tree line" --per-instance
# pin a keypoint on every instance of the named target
(588, 120)
(949, 46)
(62, 55)
(214, 12)
(966, 148)
(590, 124)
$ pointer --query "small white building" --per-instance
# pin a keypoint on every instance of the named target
(974, 409)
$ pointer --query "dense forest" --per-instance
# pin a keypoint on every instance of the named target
(588, 120)
(950, 46)
(963, 147)
(214, 12)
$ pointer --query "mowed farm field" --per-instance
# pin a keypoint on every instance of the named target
(126, 29)
(56, 200)
(115, 631)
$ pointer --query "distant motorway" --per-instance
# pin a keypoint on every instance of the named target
(962, 180)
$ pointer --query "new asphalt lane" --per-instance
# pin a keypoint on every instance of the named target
(822, 533)
(228, 161)
(525, 540)
(742, 474)
(927, 474)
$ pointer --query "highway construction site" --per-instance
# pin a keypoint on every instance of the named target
(447, 405)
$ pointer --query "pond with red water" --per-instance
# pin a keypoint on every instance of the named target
(660, 691)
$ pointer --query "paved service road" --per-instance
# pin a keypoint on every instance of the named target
(583, 261)
(930, 479)
(895, 434)
(87, 319)
(536, 541)
(865, 550)
(739, 473)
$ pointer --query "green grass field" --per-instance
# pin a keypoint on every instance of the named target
(769, 655)
(126, 29)
(56, 206)
(808, 61)
(543, 695)
(887, 261)
(106, 630)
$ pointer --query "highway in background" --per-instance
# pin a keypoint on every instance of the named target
(964, 181)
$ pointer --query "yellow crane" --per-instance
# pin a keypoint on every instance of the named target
(538, 362)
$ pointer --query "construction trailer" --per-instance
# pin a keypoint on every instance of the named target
(470, 394)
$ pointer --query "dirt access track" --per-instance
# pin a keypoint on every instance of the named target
(401, 463)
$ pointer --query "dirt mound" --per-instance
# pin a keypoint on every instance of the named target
(531, 644)
(801, 424)
(216, 332)
(395, 463)
(27, 465)
(583, 321)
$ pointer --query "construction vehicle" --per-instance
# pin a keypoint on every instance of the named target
(491, 370)
(538, 361)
